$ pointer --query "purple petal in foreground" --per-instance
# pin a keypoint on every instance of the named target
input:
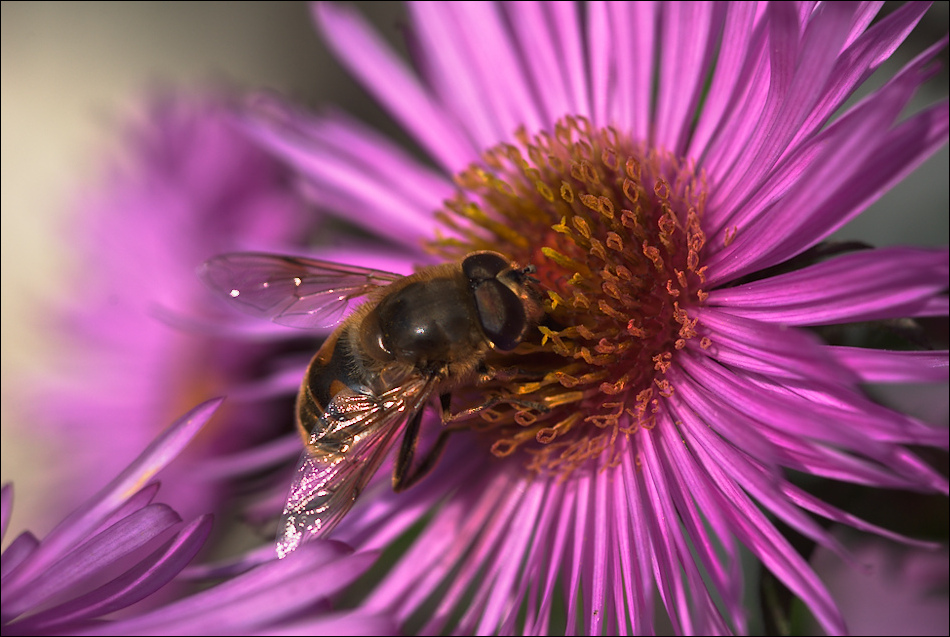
(136, 583)
(93, 556)
(18, 550)
(263, 596)
(78, 524)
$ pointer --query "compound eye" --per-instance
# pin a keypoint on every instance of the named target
(484, 265)
(501, 314)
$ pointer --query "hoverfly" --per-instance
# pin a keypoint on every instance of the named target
(413, 337)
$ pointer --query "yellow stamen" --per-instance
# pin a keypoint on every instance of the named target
(615, 232)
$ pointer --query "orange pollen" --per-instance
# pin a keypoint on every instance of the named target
(615, 232)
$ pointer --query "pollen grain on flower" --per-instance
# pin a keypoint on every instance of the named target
(615, 231)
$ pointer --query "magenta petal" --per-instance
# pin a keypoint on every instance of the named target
(281, 382)
(878, 366)
(386, 519)
(844, 419)
(479, 539)
(529, 575)
(638, 64)
(724, 96)
(386, 594)
(863, 17)
(757, 481)
(633, 549)
(809, 502)
(877, 170)
(757, 533)
(744, 106)
(630, 29)
(279, 589)
(887, 101)
(283, 450)
(596, 568)
(92, 557)
(136, 583)
(537, 44)
(568, 40)
(577, 542)
(138, 501)
(754, 246)
(767, 349)
(662, 557)
(500, 67)
(600, 59)
(690, 32)
(455, 75)
(492, 603)
(779, 446)
(78, 524)
(796, 86)
(350, 170)
(394, 85)
(447, 538)
(545, 558)
(17, 551)
(419, 185)
(686, 598)
(560, 503)
(549, 44)
(867, 285)
(861, 56)
(854, 162)
(744, 92)
(726, 419)
(692, 512)
(352, 623)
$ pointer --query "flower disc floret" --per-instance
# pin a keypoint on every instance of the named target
(615, 231)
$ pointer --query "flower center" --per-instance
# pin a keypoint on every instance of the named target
(614, 230)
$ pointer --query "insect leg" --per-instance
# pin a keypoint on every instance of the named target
(448, 416)
(486, 374)
(425, 466)
(404, 474)
(407, 451)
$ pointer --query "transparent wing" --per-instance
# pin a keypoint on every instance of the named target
(341, 460)
(292, 291)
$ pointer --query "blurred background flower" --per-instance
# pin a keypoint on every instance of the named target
(60, 63)
(184, 186)
(890, 590)
(79, 86)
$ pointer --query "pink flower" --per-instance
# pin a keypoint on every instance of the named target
(672, 170)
